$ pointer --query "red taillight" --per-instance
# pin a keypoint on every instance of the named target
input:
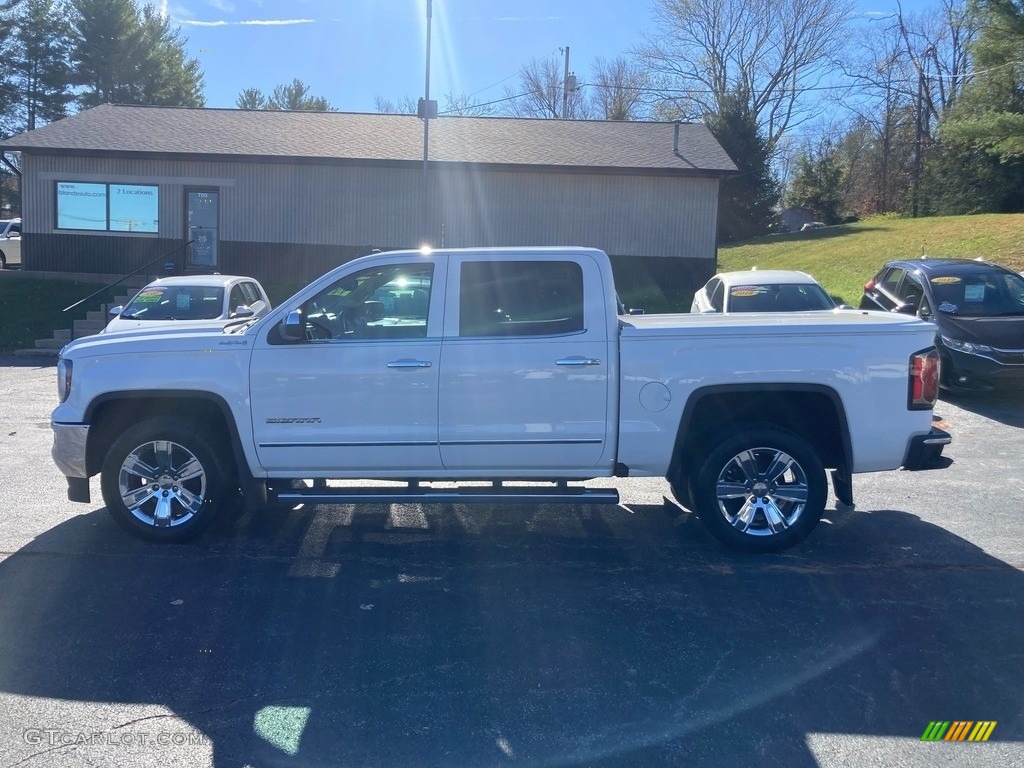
(869, 286)
(924, 380)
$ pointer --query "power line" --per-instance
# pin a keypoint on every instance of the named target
(505, 80)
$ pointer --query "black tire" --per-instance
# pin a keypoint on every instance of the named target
(160, 449)
(755, 465)
(3, 261)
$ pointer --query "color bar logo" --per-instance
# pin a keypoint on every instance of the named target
(958, 730)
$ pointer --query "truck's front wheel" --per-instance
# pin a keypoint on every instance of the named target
(163, 481)
(761, 490)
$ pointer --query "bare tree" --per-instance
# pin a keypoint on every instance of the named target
(404, 106)
(539, 93)
(937, 43)
(881, 98)
(772, 51)
(464, 105)
(618, 89)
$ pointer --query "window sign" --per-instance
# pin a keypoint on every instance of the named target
(133, 208)
(81, 206)
(107, 207)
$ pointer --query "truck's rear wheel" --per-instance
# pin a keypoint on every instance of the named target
(761, 490)
(163, 481)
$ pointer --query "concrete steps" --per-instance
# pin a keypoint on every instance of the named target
(95, 321)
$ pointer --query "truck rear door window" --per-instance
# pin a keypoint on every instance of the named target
(520, 298)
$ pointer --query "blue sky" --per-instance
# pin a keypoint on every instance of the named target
(350, 51)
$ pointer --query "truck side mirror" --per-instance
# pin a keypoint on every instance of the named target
(293, 327)
(115, 311)
(242, 311)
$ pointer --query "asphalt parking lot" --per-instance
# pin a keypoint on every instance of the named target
(543, 636)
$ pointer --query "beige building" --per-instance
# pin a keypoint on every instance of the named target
(284, 196)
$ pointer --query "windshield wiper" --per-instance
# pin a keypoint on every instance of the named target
(240, 325)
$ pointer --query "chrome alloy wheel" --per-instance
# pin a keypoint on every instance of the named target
(762, 491)
(162, 483)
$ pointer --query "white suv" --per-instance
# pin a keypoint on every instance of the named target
(10, 242)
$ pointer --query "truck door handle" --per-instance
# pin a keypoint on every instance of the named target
(578, 361)
(409, 364)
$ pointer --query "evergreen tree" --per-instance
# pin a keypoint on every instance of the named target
(39, 60)
(294, 96)
(251, 98)
(817, 183)
(125, 56)
(990, 113)
(981, 165)
(7, 89)
(746, 202)
(289, 97)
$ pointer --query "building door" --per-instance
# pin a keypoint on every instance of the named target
(203, 221)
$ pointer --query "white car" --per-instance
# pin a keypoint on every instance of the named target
(199, 301)
(770, 290)
(10, 243)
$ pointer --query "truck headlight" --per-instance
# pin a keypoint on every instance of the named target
(64, 368)
(967, 347)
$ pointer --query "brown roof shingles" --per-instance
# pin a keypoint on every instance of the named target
(376, 137)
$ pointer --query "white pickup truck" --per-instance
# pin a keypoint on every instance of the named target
(495, 365)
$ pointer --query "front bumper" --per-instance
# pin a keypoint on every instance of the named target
(69, 443)
(923, 451)
(980, 372)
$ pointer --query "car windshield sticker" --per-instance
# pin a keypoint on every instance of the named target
(947, 307)
(743, 291)
(148, 297)
(975, 292)
(945, 280)
(181, 300)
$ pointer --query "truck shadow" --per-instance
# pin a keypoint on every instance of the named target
(1004, 406)
(557, 635)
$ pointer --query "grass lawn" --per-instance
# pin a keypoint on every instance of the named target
(845, 257)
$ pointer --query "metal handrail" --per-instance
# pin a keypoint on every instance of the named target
(130, 274)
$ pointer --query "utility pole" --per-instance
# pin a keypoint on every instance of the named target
(565, 84)
(917, 145)
(427, 110)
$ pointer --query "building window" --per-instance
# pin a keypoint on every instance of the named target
(107, 207)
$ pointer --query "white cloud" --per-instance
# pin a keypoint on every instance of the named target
(221, 5)
(246, 23)
(276, 22)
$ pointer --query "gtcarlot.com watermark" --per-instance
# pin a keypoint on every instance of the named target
(60, 737)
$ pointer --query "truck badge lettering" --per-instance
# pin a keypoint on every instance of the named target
(295, 420)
